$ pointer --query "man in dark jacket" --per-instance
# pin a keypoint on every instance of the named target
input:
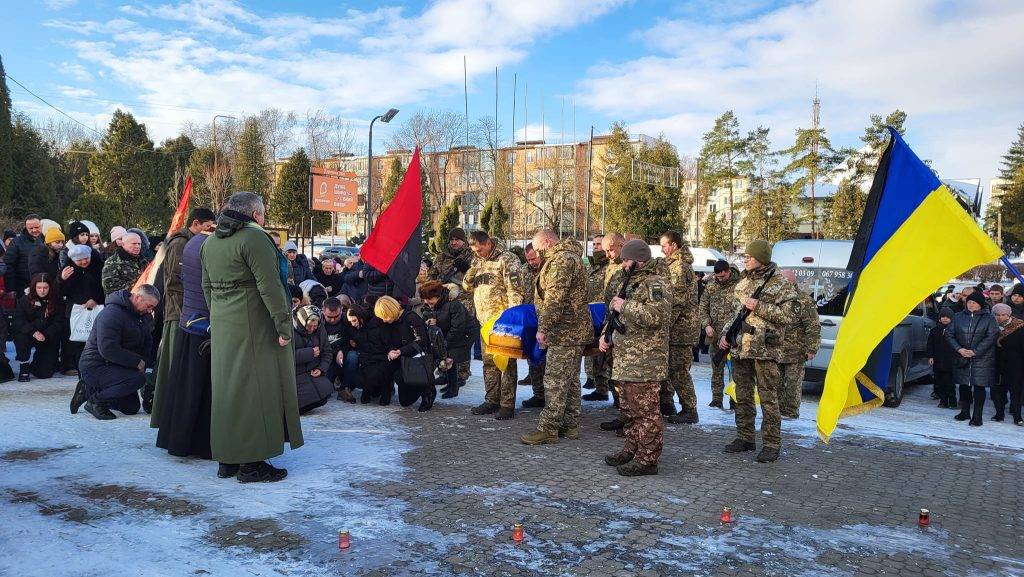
(113, 364)
(18, 253)
(344, 359)
(47, 258)
(942, 358)
(1017, 301)
(458, 327)
(81, 286)
(329, 276)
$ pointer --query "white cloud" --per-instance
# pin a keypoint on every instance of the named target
(58, 4)
(540, 131)
(951, 66)
(76, 92)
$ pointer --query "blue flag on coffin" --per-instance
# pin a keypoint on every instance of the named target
(513, 333)
(915, 236)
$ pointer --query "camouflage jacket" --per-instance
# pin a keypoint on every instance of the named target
(529, 276)
(612, 279)
(684, 296)
(596, 277)
(804, 336)
(496, 283)
(560, 291)
(718, 304)
(642, 353)
(444, 270)
(121, 270)
(777, 307)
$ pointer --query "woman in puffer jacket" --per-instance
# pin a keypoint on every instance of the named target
(312, 359)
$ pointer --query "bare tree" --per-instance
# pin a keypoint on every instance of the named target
(437, 133)
(317, 127)
(278, 129)
(341, 136)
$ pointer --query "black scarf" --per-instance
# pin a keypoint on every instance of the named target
(238, 216)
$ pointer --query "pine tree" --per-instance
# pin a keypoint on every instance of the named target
(1013, 213)
(1012, 160)
(715, 232)
(290, 205)
(6, 143)
(811, 158)
(99, 208)
(32, 171)
(250, 167)
(719, 157)
(391, 182)
(446, 221)
(494, 218)
(876, 135)
(844, 213)
(620, 187)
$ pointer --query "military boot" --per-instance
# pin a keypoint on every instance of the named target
(596, 396)
(685, 417)
(572, 434)
(635, 469)
(505, 413)
(612, 425)
(78, 398)
(99, 411)
(739, 446)
(616, 459)
(533, 403)
(484, 408)
(768, 455)
(539, 437)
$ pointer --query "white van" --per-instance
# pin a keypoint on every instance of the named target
(820, 267)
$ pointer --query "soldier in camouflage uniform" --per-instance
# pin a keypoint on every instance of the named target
(595, 293)
(495, 279)
(449, 268)
(799, 346)
(683, 335)
(124, 266)
(717, 309)
(641, 358)
(535, 376)
(756, 362)
(563, 328)
(612, 245)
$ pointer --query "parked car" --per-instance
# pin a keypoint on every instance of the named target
(820, 267)
(339, 251)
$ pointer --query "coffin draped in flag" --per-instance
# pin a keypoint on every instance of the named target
(395, 245)
(513, 334)
(914, 237)
(148, 275)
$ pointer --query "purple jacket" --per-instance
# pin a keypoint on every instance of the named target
(193, 304)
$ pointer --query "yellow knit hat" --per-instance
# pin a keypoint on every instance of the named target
(53, 235)
(387, 309)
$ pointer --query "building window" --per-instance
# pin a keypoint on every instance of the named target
(530, 156)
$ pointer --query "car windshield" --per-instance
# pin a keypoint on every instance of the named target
(828, 287)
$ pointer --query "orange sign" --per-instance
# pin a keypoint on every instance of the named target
(333, 191)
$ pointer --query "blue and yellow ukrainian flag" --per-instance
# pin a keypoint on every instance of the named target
(914, 237)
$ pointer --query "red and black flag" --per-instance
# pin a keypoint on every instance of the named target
(395, 245)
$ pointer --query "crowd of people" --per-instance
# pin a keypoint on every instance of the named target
(239, 335)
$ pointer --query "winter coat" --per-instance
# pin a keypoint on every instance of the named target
(352, 284)
(449, 268)
(254, 409)
(1010, 354)
(309, 389)
(120, 336)
(371, 343)
(339, 335)
(560, 295)
(17, 260)
(121, 270)
(460, 329)
(803, 337)
(173, 291)
(408, 334)
(193, 301)
(31, 316)
(496, 283)
(641, 354)
(596, 276)
(299, 270)
(84, 284)
(779, 306)
(684, 297)
(332, 283)
(43, 260)
(938, 349)
(718, 303)
(976, 332)
(378, 284)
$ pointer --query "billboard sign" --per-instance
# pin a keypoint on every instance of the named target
(333, 191)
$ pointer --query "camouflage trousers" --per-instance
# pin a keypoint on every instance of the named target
(717, 381)
(766, 376)
(644, 429)
(561, 389)
(463, 369)
(594, 367)
(536, 378)
(679, 381)
(500, 387)
(792, 388)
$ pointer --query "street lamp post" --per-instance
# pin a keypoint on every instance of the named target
(385, 118)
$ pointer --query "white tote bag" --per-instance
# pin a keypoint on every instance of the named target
(81, 322)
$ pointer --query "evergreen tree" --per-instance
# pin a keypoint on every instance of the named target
(723, 149)
(290, 205)
(250, 168)
(494, 218)
(200, 167)
(650, 209)
(446, 221)
(844, 213)
(715, 232)
(99, 208)
(6, 143)
(391, 182)
(32, 172)
(811, 158)
(129, 171)
(1012, 160)
(1013, 213)
(620, 187)
(70, 176)
(876, 135)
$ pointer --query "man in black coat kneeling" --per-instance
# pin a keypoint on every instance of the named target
(113, 364)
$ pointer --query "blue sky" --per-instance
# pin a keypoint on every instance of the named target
(663, 67)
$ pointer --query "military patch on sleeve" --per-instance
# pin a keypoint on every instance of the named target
(657, 291)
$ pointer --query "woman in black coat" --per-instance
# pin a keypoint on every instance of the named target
(1010, 359)
(375, 370)
(942, 358)
(353, 282)
(458, 327)
(39, 325)
(972, 335)
(405, 334)
(81, 285)
(312, 359)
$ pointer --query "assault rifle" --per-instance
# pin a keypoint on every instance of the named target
(612, 324)
(739, 324)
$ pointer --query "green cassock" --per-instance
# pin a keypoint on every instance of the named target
(254, 408)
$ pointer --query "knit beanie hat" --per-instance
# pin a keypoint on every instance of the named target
(117, 232)
(290, 245)
(1001, 309)
(387, 309)
(635, 250)
(977, 297)
(946, 312)
(79, 251)
(760, 250)
(457, 233)
(93, 229)
(53, 235)
(76, 228)
(1018, 289)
